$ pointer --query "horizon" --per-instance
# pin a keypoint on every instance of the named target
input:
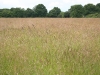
(64, 5)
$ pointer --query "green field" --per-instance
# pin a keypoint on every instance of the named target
(43, 46)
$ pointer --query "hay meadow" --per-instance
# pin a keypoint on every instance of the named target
(49, 46)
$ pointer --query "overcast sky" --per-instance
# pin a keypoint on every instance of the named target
(64, 5)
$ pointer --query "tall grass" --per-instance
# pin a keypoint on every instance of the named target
(67, 49)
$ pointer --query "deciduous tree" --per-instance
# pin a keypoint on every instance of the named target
(89, 9)
(40, 10)
(76, 11)
(54, 12)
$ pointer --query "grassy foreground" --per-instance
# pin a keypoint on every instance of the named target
(49, 46)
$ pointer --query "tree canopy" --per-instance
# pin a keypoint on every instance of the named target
(40, 10)
(54, 12)
(90, 9)
(75, 11)
(98, 7)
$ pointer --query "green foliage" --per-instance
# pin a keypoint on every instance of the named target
(61, 15)
(29, 13)
(98, 7)
(67, 14)
(54, 12)
(40, 10)
(76, 11)
(5, 12)
(90, 9)
(96, 15)
(18, 12)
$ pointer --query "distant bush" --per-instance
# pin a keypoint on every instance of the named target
(61, 15)
(96, 15)
(67, 14)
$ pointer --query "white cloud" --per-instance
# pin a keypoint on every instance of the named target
(10, 1)
(67, 1)
(53, 4)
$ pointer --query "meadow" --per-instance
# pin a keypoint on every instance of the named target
(49, 46)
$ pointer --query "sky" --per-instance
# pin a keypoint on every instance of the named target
(64, 5)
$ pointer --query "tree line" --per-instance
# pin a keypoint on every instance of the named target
(75, 11)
